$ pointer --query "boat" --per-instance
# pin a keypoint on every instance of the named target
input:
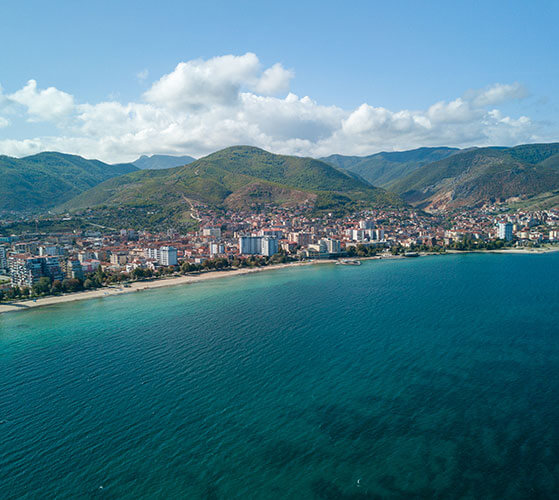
(411, 254)
(349, 262)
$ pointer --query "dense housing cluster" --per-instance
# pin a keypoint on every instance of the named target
(39, 263)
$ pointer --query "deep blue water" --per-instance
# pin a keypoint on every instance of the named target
(435, 377)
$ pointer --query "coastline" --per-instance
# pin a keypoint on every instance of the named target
(138, 286)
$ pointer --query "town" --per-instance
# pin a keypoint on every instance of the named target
(37, 264)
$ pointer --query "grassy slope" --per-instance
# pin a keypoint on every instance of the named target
(46, 179)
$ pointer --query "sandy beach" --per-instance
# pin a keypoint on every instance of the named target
(209, 275)
(143, 285)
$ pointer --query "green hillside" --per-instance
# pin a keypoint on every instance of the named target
(46, 179)
(382, 168)
(238, 177)
(521, 174)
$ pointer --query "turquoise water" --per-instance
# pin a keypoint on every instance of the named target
(419, 378)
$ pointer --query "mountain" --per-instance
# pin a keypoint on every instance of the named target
(380, 169)
(526, 175)
(46, 179)
(155, 162)
(238, 177)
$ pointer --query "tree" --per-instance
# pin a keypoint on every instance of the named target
(72, 285)
(88, 284)
(56, 287)
(42, 287)
(138, 273)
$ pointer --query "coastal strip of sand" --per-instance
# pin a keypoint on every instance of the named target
(137, 286)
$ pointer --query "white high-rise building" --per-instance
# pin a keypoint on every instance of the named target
(258, 245)
(3, 258)
(216, 248)
(250, 245)
(504, 231)
(357, 234)
(331, 245)
(168, 256)
(269, 246)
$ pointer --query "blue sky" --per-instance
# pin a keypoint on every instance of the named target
(372, 71)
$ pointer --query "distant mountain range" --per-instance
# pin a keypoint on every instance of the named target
(47, 179)
(155, 162)
(239, 177)
(382, 168)
(525, 175)
(243, 177)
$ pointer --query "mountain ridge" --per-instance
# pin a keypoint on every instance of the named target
(483, 175)
(239, 177)
(157, 161)
(382, 168)
(43, 180)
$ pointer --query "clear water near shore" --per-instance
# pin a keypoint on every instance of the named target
(431, 377)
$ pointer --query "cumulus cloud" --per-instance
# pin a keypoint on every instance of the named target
(204, 105)
(274, 80)
(43, 105)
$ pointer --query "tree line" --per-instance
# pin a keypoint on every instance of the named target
(45, 286)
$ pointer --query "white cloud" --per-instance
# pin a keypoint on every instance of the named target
(204, 105)
(3, 122)
(274, 80)
(43, 105)
(201, 84)
(497, 93)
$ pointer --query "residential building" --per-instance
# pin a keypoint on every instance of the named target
(366, 224)
(168, 256)
(213, 232)
(250, 245)
(357, 234)
(331, 245)
(269, 246)
(216, 248)
(26, 270)
(50, 250)
(119, 258)
(302, 238)
(3, 258)
(504, 231)
(51, 268)
(72, 268)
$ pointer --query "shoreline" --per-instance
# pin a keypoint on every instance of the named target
(139, 286)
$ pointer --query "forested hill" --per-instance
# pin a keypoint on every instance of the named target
(47, 179)
(240, 177)
(382, 168)
(526, 175)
